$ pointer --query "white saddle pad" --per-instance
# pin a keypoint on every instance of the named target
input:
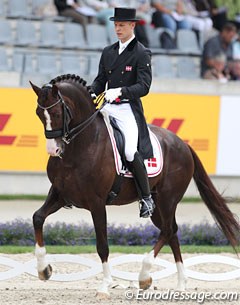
(153, 165)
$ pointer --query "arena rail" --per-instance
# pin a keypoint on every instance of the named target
(94, 268)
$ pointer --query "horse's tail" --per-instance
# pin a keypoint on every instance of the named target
(215, 203)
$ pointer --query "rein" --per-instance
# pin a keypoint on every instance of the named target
(68, 137)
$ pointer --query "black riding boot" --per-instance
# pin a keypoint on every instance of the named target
(138, 169)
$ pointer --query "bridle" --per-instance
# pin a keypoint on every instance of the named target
(65, 133)
(67, 116)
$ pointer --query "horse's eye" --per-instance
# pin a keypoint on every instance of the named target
(55, 115)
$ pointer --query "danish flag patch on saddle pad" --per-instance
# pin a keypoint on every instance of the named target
(153, 165)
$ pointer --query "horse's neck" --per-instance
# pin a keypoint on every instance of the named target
(88, 147)
(94, 132)
(82, 109)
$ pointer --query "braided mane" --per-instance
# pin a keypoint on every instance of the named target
(78, 80)
(69, 77)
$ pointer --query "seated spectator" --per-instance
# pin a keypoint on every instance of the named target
(234, 65)
(236, 48)
(210, 8)
(198, 21)
(218, 71)
(103, 9)
(169, 14)
(69, 8)
(221, 43)
(234, 68)
(143, 8)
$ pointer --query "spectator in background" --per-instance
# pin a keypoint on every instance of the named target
(234, 68)
(237, 21)
(143, 9)
(234, 65)
(219, 70)
(236, 47)
(198, 21)
(69, 8)
(103, 10)
(169, 14)
(210, 8)
(221, 43)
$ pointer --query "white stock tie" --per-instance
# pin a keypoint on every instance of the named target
(121, 49)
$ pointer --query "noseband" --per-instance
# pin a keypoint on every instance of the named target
(66, 134)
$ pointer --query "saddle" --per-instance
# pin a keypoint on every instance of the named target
(153, 165)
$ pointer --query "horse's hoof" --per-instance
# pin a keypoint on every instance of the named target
(45, 274)
(182, 285)
(145, 284)
(102, 296)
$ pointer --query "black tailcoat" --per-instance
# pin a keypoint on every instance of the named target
(131, 70)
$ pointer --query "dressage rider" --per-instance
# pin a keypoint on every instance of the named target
(125, 70)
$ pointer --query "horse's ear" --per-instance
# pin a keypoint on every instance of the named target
(35, 88)
(54, 90)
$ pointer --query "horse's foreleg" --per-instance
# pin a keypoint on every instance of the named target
(100, 225)
(50, 206)
(182, 278)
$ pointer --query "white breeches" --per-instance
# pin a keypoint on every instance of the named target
(200, 24)
(126, 121)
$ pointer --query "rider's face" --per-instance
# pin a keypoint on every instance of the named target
(124, 30)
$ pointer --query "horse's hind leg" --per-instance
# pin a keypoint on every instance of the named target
(50, 206)
(162, 218)
(145, 280)
(169, 236)
(182, 278)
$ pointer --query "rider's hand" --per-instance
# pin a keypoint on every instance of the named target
(112, 94)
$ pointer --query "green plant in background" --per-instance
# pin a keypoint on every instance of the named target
(233, 7)
(20, 232)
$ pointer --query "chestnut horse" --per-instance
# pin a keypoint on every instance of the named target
(81, 170)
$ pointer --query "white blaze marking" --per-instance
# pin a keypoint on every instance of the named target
(51, 143)
(48, 120)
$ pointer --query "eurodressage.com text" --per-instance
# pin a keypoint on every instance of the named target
(171, 295)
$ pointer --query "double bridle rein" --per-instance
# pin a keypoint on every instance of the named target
(65, 133)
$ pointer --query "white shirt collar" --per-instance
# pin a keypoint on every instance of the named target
(122, 46)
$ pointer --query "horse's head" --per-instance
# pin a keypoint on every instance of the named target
(55, 116)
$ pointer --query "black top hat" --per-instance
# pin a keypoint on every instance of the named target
(124, 14)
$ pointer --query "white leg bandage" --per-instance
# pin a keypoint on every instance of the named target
(40, 253)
